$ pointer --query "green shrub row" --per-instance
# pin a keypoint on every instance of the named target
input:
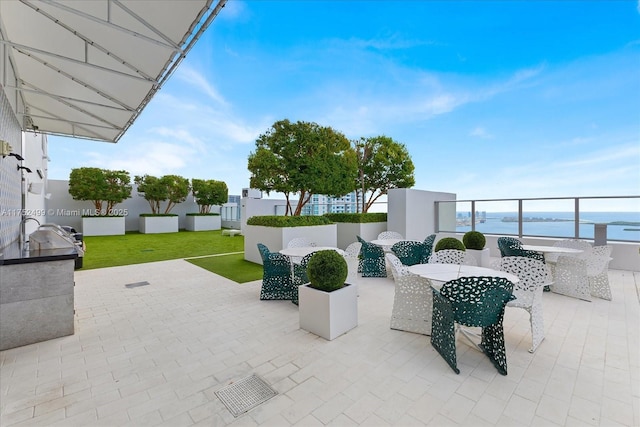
(288, 221)
(357, 217)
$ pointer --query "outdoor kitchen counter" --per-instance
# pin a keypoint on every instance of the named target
(12, 254)
(36, 295)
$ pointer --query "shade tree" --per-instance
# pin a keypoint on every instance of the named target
(303, 158)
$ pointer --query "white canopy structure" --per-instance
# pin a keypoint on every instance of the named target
(88, 68)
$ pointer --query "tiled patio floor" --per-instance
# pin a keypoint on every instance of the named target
(156, 355)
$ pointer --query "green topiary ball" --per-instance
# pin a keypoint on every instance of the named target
(449, 243)
(327, 270)
(474, 240)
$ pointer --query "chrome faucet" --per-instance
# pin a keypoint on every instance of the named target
(23, 230)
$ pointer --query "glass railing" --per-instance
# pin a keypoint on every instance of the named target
(230, 213)
(568, 217)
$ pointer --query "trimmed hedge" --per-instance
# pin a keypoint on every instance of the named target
(357, 217)
(327, 270)
(288, 221)
(474, 240)
(449, 243)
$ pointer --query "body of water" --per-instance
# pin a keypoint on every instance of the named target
(559, 224)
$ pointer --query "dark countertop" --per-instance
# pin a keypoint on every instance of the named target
(13, 254)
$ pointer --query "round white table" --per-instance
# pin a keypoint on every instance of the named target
(386, 242)
(447, 272)
(552, 249)
(303, 251)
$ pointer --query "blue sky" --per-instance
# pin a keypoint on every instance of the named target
(492, 99)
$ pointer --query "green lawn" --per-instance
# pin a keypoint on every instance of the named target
(136, 248)
(233, 267)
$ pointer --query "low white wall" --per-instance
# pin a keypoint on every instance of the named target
(412, 212)
(347, 232)
(276, 238)
(257, 207)
(63, 210)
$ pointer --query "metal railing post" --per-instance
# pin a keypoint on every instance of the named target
(473, 215)
(520, 228)
(576, 218)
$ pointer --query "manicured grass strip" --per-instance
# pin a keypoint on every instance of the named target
(233, 267)
(136, 248)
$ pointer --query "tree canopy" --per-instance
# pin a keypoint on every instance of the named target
(382, 164)
(303, 158)
(208, 193)
(171, 188)
(105, 188)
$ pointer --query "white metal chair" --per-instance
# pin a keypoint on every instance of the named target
(351, 255)
(598, 271)
(298, 242)
(413, 299)
(570, 278)
(528, 291)
(390, 235)
(452, 256)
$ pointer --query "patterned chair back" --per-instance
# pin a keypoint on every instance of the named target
(429, 241)
(478, 301)
(410, 252)
(506, 242)
(532, 274)
(452, 256)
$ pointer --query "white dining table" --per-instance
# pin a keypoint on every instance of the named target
(552, 249)
(386, 244)
(447, 272)
(302, 251)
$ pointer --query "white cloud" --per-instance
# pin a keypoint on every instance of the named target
(181, 135)
(146, 157)
(196, 79)
(480, 132)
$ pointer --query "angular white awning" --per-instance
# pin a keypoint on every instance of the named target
(88, 68)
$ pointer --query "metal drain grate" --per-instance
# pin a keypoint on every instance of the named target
(245, 394)
(136, 284)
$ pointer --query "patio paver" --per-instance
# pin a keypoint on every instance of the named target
(156, 355)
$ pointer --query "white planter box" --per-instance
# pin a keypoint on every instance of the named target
(348, 231)
(158, 224)
(328, 314)
(276, 238)
(103, 226)
(483, 257)
(203, 222)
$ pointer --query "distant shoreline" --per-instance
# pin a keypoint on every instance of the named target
(540, 219)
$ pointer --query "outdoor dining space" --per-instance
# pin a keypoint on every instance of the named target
(441, 291)
(157, 355)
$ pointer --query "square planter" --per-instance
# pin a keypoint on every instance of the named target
(103, 225)
(158, 224)
(328, 314)
(482, 256)
(203, 222)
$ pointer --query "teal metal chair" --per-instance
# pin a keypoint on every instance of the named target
(429, 241)
(471, 301)
(410, 252)
(508, 242)
(276, 277)
(300, 276)
(372, 261)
